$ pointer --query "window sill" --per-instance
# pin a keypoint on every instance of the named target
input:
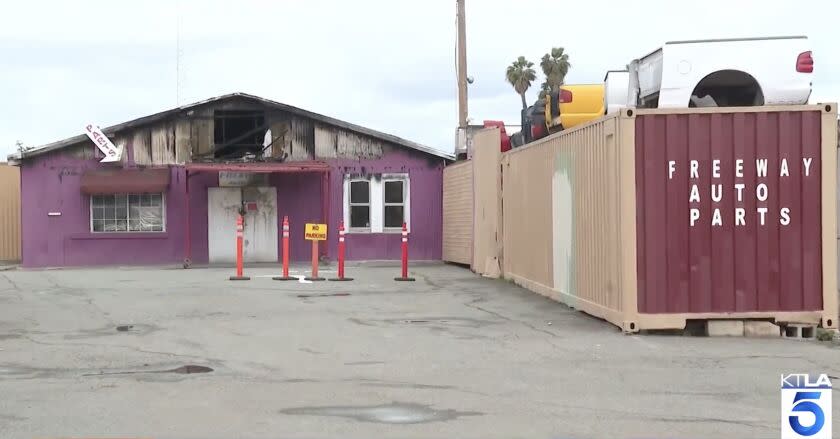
(368, 232)
(120, 235)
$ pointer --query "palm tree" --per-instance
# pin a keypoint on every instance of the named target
(544, 89)
(520, 74)
(555, 66)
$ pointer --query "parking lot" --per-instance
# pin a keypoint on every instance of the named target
(105, 352)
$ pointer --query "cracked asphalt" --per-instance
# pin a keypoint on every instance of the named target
(451, 355)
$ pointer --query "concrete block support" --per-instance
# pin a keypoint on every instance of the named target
(725, 328)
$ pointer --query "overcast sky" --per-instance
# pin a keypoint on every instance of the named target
(385, 64)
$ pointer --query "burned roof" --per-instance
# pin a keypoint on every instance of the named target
(267, 102)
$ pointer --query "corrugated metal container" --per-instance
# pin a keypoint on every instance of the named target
(487, 208)
(655, 217)
(458, 213)
(566, 233)
(9, 213)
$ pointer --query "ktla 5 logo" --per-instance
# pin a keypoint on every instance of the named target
(806, 406)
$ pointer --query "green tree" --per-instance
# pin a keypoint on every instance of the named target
(555, 65)
(544, 89)
(520, 74)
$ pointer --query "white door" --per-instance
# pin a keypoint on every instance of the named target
(260, 235)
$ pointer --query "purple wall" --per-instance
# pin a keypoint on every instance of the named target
(426, 175)
(50, 183)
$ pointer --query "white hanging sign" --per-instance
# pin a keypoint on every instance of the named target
(112, 153)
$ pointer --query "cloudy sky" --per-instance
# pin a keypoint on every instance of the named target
(385, 64)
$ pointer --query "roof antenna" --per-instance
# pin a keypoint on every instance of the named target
(178, 53)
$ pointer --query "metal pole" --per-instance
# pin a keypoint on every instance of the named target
(314, 275)
(462, 64)
(187, 229)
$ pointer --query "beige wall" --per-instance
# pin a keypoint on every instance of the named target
(458, 213)
(526, 195)
(9, 213)
(487, 217)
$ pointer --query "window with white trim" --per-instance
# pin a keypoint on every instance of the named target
(127, 213)
(376, 204)
(394, 201)
(359, 205)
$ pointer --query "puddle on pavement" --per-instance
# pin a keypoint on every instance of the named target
(304, 296)
(394, 413)
(136, 329)
(190, 368)
(465, 322)
(187, 369)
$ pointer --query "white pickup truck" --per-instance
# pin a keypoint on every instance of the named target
(716, 73)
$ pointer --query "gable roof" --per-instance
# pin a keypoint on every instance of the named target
(267, 102)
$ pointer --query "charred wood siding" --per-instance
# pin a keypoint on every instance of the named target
(190, 136)
(331, 142)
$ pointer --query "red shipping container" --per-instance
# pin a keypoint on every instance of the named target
(728, 212)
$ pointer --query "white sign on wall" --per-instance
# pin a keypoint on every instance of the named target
(739, 191)
(241, 179)
(112, 153)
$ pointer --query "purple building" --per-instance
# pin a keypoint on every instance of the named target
(185, 175)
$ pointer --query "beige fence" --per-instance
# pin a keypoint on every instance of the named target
(458, 213)
(9, 213)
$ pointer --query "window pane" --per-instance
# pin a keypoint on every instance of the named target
(156, 199)
(121, 213)
(394, 216)
(146, 200)
(359, 192)
(119, 200)
(134, 199)
(97, 201)
(394, 192)
(134, 225)
(107, 200)
(98, 226)
(120, 226)
(98, 213)
(359, 216)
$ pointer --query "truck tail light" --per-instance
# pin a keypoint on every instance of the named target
(805, 63)
(566, 95)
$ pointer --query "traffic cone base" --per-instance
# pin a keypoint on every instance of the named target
(340, 279)
(240, 278)
(284, 278)
(404, 279)
(314, 279)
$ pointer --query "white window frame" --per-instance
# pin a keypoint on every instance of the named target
(403, 178)
(377, 202)
(162, 217)
(348, 204)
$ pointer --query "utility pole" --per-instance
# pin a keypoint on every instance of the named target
(462, 65)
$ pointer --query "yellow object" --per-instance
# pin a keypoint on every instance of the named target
(315, 232)
(587, 104)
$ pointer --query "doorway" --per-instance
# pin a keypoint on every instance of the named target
(260, 231)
